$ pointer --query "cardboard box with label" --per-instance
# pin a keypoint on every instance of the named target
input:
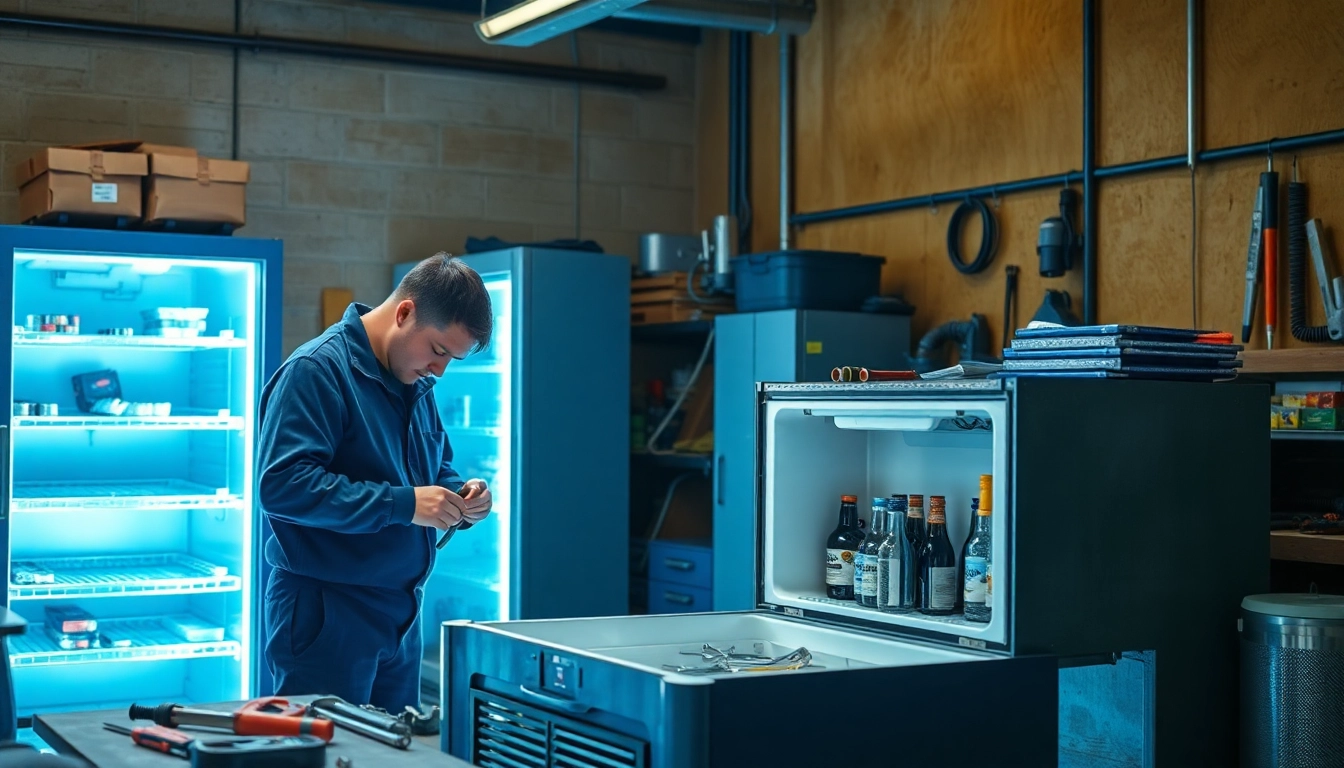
(81, 181)
(194, 189)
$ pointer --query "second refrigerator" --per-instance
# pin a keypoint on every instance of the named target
(542, 416)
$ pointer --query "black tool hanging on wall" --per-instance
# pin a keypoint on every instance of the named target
(1298, 234)
(989, 236)
(1058, 238)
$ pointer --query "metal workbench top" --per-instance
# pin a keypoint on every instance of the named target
(81, 734)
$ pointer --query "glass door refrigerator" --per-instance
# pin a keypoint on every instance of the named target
(542, 416)
(130, 532)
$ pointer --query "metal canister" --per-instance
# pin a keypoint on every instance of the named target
(1292, 680)
(48, 409)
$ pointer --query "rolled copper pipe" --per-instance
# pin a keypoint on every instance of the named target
(835, 374)
(870, 375)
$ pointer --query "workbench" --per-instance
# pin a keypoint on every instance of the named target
(81, 734)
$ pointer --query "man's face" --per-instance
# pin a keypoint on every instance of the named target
(418, 349)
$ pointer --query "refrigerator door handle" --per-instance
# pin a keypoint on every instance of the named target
(718, 477)
(547, 700)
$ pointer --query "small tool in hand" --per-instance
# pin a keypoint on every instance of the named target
(156, 737)
(462, 525)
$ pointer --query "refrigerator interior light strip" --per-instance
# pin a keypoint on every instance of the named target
(897, 423)
(250, 374)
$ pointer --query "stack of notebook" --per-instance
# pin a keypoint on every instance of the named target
(1121, 351)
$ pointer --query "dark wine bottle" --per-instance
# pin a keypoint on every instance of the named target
(841, 545)
(937, 564)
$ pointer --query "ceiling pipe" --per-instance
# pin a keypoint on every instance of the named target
(765, 17)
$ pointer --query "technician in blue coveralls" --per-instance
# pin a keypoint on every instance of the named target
(354, 473)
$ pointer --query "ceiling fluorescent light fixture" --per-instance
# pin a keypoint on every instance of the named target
(536, 21)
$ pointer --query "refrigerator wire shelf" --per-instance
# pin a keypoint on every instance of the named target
(47, 496)
(186, 419)
(150, 641)
(117, 575)
(165, 343)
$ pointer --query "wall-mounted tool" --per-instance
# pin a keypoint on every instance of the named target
(1058, 238)
(1009, 302)
(989, 236)
(1269, 182)
(1253, 248)
(1297, 270)
(971, 337)
(1332, 290)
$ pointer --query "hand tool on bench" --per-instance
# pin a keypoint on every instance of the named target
(269, 716)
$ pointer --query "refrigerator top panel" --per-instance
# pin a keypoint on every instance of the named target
(818, 442)
(661, 644)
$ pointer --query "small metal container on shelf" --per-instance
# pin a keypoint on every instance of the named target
(48, 409)
(24, 408)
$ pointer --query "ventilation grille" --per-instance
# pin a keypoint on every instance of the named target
(512, 735)
(508, 738)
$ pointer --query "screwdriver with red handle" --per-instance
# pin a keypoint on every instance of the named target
(268, 716)
(169, 741)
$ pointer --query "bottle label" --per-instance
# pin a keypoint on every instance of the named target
(839, 567)
(891, 573)
(977, 569)
(870, 577)
(943, 588)
(989, 585)
(857, 574)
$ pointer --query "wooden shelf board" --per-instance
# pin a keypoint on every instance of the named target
(1291, 545)
(1315, 360)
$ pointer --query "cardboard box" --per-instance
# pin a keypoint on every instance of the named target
(81, 181)
(1295, 400)
(1284, 417)
(1320, 418)
(190, 188)
(1325, 399)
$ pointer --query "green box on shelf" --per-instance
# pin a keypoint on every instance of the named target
(1320, 418)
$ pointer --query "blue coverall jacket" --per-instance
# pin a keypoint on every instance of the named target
(342, 447)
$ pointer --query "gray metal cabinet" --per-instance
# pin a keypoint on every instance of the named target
(781, 346)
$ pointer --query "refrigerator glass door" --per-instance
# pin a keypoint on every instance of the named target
(471, 575)
(133, 406)
(815, 450)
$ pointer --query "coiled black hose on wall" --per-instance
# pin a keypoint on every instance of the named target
(1297, 267)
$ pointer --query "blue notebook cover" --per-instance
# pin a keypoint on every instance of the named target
(1125, 356)
(1128, 331)
(1120, 342)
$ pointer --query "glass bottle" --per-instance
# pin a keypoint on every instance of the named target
(840, 548)
(937, 564)
(889, 556)
(978, 551)
(914, 544)
(867, 587)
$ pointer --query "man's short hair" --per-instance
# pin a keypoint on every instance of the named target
(446, 291)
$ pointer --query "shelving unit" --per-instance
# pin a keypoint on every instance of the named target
(157, 574)
(149, 641)
(1303, 548)
(145, 495)
(94, 341)
(1304, 434)
(93, 421)
(1328, 360)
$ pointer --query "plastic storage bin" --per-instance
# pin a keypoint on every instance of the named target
(1292, 680)
(805, 280)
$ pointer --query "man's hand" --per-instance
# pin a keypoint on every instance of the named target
(477, 498)
(437, 507)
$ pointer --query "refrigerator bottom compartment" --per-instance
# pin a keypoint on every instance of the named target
(654, 643)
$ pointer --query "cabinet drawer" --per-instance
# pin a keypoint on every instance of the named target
(677, 598)
(681, 563)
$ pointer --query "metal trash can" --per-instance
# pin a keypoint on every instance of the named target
(1292, 681)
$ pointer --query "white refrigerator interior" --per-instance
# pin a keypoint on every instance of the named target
(138, 514)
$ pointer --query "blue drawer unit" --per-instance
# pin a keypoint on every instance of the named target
(681, 578)
(665, 597)
(682, 562)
